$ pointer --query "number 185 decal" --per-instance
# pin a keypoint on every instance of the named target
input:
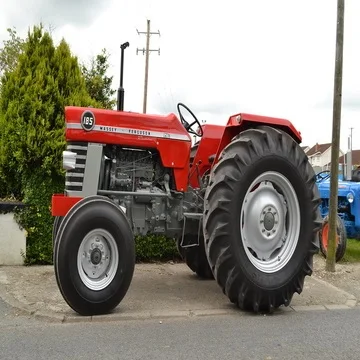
(87, 120)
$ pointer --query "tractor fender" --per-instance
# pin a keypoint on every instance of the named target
(241, 122)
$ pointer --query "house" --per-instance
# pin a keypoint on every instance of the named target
(306, 148)
(355, 162)
(320, 155)
(355, 158)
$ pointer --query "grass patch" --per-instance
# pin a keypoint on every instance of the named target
(352, 253)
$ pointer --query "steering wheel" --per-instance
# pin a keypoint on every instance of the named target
(188, 126)
(321, 177)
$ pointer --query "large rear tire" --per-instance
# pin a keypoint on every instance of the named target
(261, 219)
(341, 238)
(195, 256)
(94, 256)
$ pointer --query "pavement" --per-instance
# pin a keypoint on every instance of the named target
(158, 291)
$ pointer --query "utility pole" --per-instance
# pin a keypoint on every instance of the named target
(331, 250)
(147, 51)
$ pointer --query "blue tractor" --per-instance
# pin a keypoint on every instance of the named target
(348, 219)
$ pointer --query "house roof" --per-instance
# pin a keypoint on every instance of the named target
(318, 148)
(355, 158)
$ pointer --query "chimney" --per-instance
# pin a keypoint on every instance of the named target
(316, 147)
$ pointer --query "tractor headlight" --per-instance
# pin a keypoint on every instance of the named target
(350, 198)
(69, 160)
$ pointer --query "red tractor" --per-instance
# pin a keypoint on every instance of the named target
(242, 204)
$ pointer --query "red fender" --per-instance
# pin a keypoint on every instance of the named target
(240, 122)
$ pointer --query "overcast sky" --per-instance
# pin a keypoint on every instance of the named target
(265, 57)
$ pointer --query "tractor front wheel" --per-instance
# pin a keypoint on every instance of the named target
(94, 256)
(341, 238)
(261, 219)
(56, 225)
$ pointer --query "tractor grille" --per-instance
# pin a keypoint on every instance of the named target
(74, 178)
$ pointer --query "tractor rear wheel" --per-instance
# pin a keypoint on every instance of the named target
(261, 219)
(195, 256)
(341, 238)
(94, 256)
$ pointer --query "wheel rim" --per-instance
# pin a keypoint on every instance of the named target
(270, 222)
(97, 259)
(325, 236)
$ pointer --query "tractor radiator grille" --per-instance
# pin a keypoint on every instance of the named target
(74, 178)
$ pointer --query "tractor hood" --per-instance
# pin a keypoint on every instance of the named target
(345, 188)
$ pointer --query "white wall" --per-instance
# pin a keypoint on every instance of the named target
(12, 241)
(326, 157)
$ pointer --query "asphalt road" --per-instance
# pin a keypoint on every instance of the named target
(290, 335)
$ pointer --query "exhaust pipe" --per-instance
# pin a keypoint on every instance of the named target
(121, 91)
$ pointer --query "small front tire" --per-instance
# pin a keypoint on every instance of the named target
(94, 256)
(341, 238)
(56, 226)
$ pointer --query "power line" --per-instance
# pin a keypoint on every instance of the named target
(147, 51)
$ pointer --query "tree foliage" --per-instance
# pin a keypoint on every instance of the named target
(10, 52)
(34, 94)
(98, 84)
(46, 79)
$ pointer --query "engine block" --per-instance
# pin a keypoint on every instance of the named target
(138, 181)
(132, 169)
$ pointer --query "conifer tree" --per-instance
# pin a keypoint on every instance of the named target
(33, 96)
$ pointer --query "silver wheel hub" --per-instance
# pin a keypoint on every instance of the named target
(98, 259)
(270, 222)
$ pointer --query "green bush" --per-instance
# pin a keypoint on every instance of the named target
(36, 217)
(155, 248)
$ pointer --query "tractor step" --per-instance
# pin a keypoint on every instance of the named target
(192, 216)
(195, 216)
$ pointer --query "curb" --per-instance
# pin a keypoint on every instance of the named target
(351, 300)
(53, 317)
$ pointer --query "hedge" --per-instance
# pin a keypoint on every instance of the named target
(37, 220)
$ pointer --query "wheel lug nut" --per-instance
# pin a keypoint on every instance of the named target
(273, 230)
(263, 230)
(268, 234)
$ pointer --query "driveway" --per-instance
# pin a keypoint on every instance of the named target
(165, 290)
